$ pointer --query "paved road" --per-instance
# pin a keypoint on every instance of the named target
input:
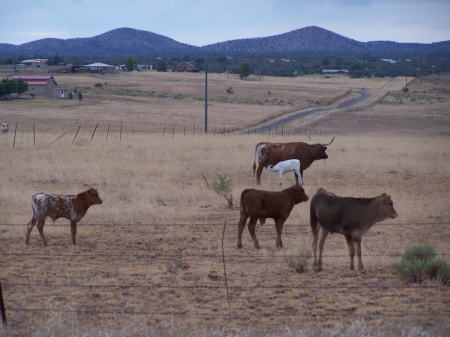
(286, 120)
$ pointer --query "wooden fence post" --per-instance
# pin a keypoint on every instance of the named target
(2, 306)
(76, 134)
(15, 131)
(120, 130)
(93, 132)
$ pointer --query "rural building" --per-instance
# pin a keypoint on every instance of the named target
(185, 66)
(36, 62)
(388, 60)
(39, 85)
(100, 68)
(334, 71)
(60, 93)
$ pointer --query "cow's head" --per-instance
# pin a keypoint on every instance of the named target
(91, 197)
(387, 207)
(299, 194)
(269, 167)
(5, 127)
(319, 150)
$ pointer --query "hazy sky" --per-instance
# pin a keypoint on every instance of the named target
(203, 22)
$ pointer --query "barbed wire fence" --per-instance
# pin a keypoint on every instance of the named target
(22, 135)
(222, 258)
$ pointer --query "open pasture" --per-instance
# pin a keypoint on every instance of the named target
(148, 261)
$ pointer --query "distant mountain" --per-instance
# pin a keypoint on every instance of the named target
(124, 42)
(318, 40)
(119, 42)
(308, 39)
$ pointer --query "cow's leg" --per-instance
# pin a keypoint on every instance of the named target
(321, 245)
(351, 250)
(258, 173)
(315, 233)
(241, 225)
(358, 255)
(40, 227)
(297, 176)
(280, 178)
(29, 228)
(279, 226)
(73, 231)
(251, 229)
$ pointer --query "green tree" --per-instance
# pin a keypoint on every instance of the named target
(9, 86)
(130, 64)
(21, 86)
(70, 95)
(162, 66)
(338, 61)
(325, 61)
(244, 70)
(80, 95)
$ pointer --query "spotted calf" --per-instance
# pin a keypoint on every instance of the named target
(71, 207)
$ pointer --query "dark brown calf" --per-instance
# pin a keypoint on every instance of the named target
(71, 207)
(258, 204)
(351, 217)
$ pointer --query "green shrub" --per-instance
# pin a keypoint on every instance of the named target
(424, 253)
(98, 85)
(419, 263)
(300, 261)
(222, 186)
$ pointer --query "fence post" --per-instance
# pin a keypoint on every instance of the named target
(164, 131)
(93, 132)
(224, 269)
(15, 131)
(76, 134)
(173, 130)
(34, 134)
(120, 131)
(2, 306)
(107, 133)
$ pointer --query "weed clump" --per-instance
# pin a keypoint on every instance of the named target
(419, 263)
(299, 262)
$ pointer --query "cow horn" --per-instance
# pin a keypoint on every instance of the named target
(310, 141)
(328, 143)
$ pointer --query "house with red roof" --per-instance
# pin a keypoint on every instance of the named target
(39, 85)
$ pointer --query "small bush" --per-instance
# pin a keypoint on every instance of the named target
(98, 85)
(300, 261)
(419, 263)
(405, 89)
(70, 95)
(222, 186)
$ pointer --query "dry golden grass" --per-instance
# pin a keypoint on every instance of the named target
(149, 259)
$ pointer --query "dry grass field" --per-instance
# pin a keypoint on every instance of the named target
(150, 260)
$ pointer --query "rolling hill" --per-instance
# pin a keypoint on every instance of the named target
(124, 42)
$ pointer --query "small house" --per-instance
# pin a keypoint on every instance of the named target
(39, 85)
(185, 66)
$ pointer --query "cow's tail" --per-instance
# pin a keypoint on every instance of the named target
(254, 161)
(313, 221)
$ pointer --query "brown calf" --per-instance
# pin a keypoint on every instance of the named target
(71, 207)
(351, 217)
(258, 204)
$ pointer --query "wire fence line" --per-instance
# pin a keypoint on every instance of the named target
(230, 288)
(29, 134)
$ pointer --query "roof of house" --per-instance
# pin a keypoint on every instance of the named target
(35, 80)
(99, 64)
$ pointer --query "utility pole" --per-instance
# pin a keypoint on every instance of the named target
(206, 98)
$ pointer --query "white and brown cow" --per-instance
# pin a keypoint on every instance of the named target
(71, 207)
